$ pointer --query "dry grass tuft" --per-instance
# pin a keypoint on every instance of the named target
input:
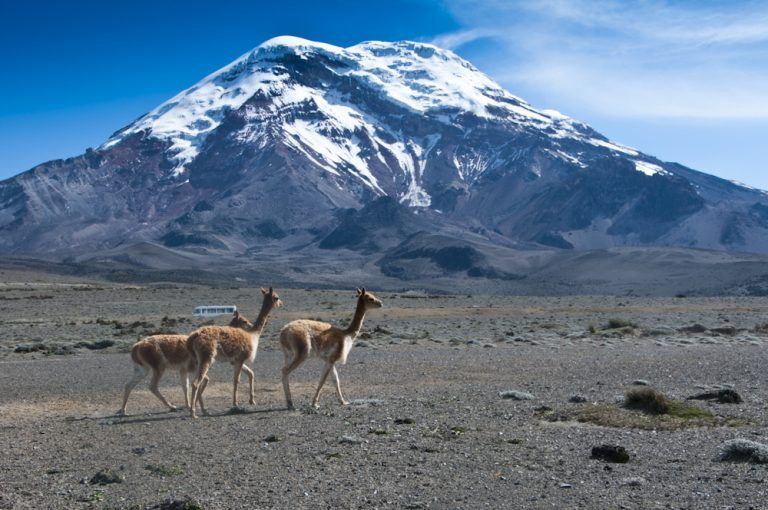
(620, 324)
(646, 409)
(647, 400)
(607, 415)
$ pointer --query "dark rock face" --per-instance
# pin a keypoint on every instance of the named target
(380, 224)
(320, 154)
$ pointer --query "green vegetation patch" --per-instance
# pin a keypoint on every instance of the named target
(646, 409)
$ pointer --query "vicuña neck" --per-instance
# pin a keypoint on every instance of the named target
(357, 320)
(261, 320)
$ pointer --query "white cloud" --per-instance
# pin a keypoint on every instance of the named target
(651, 58)
(453, 40)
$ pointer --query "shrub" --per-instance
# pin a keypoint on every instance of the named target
(647, 400)
(619, 324)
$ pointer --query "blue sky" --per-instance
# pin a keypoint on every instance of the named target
(686, 81)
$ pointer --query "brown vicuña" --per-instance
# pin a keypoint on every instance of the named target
(236, 343)
(158, 353)
(303, 338)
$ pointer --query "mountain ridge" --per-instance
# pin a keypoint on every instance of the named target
(291, 147)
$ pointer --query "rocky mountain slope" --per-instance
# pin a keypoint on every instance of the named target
(402, 155)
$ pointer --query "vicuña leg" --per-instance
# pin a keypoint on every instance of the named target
(184, 376)
(200, 395)
(139, 373)
(338, 387)
(198, 386)
(249, 373)
(292, 360)
(156, 375)
(238, 366)
(326, 371)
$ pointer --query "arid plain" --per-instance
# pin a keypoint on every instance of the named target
(427, 427)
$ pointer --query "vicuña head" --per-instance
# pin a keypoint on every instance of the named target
(271, 300)
(369, 299)
(303, 338)
(236, 343)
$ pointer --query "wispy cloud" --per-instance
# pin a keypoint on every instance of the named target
(649, 58)
(453, 40)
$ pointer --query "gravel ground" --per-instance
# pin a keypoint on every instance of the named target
(427, 428)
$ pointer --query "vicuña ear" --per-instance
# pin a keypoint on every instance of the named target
(359, 292)
(271, 290)
(263, 291)
(362, 290)
(237, 314)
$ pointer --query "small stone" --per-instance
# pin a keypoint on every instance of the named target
(25, 348)
(565, 485)
(696, 328)
(723, 396)
(744, 450)
(516, 395)
(577, 399)
(634, 481)
(660, 331)
(105, 477)
(610, 453)
(272, 438)
(640, 382)
(350, 440)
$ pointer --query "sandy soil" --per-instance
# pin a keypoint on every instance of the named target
(427, 428)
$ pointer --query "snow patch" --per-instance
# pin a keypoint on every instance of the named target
(566, 157)
(649, 168)
(747, 186)
(612, 146)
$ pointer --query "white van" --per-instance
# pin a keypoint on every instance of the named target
(211, 311)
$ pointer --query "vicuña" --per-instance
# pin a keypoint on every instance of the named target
(301, 338)
(158, 353)
(236, 343)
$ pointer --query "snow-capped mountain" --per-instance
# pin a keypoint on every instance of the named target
(416, 78)
(276, 151)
